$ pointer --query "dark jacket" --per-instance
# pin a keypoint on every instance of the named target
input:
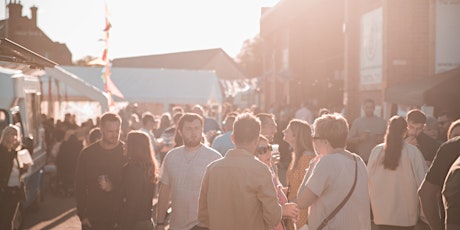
(92, 202)
(428, 146)
(6, 164)
(138, 194)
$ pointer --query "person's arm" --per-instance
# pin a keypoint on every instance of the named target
(305, 197)
(429, 195)
(203, 215)
(266, 194)
(80, 188)
(164, 197)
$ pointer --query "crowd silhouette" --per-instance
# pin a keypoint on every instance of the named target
(276, 169)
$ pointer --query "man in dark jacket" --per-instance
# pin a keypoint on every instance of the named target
(98, 178)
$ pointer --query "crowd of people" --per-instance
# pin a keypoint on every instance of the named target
(258, 170)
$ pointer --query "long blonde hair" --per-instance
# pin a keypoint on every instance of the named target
(10, 129)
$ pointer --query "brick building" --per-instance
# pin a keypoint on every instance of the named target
(24, 31)
(336, 53)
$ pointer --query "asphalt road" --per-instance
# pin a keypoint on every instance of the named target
(55, 212)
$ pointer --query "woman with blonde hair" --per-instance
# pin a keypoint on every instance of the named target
(10, 176)
(298, 135)
(139, 179)
(396, 170)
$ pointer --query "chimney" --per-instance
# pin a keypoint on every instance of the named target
(33, 13)
(14, 10)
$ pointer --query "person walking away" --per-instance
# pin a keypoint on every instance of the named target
(237, 191)
(98, 186)
(396, 170)
(335, 189)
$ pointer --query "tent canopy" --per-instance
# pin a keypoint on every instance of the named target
(78, 85)
(441, 90)
(151, 85)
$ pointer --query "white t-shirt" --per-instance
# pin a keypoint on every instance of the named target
(183, 172)
(393, 193)
(331, 180)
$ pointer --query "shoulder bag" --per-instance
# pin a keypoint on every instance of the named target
(336, 210)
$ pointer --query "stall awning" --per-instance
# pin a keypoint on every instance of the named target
(440, 90)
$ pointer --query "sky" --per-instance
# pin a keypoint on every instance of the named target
(145, 27)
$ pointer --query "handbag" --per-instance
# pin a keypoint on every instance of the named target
(337, 209)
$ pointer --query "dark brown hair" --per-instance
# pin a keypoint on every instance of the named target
(416, 116)
(394, 139)
(188, 117)
(452, 126)
(246, 129)
(140, 152)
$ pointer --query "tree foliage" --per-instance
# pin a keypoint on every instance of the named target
(250, 57)
(84, 61)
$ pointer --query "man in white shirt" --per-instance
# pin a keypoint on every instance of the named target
(181, 174)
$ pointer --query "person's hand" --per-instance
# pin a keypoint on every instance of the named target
(105, 184)
(85, 223)
(291, 211)
(26, 167)
(411, 140)
(275, 158)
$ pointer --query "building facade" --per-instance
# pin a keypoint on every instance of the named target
(338, 53)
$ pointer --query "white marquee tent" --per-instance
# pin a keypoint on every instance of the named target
(145, 85)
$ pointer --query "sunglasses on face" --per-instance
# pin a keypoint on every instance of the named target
(263, 149)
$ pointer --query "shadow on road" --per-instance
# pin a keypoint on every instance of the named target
(53, 211)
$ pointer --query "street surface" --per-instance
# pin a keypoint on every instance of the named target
(56, 212)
